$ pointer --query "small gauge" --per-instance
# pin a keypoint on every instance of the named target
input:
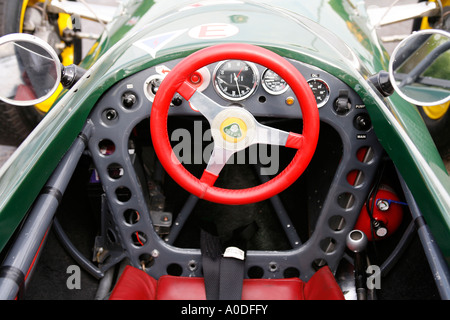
(321, 91)
(273, 83)
(235, 80)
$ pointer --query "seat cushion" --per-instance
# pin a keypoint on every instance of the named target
(182, 288)
(135, 284)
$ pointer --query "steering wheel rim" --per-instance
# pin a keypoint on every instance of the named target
(203, 188)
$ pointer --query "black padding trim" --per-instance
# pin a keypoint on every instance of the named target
(56, 193)
(14, 274)
(420, 222)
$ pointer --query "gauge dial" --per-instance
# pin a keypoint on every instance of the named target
(273, 83)
(235, 80)
(321, 91)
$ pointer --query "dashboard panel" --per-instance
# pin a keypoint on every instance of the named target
(257, 89)
(338, 178)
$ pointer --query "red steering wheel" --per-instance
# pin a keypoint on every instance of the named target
(221, 118)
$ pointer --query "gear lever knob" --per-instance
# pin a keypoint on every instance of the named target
(356, 241)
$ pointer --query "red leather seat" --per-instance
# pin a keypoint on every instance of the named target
(135, 284)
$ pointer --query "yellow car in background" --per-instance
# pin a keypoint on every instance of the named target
(25, 16)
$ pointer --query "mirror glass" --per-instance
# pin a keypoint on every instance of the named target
(30, 70)
(420, 68)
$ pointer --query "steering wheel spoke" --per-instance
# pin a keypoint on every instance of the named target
(217, 161)
(273, 136)
(206, 106)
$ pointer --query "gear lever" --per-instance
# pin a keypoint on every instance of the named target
(357, 242)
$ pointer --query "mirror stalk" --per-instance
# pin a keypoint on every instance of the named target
(382, 82)
(70, 75)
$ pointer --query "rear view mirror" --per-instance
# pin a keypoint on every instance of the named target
(30, 69)
(420, 68)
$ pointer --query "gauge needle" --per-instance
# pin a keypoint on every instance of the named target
(221, 80)
(237, 84)
(240, 71)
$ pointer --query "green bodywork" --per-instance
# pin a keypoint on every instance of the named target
(332, 35)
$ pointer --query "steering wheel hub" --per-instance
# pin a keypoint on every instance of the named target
(233, 128)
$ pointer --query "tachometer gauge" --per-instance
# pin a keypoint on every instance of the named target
(321, 91)
(273, 83)
(235, 80)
